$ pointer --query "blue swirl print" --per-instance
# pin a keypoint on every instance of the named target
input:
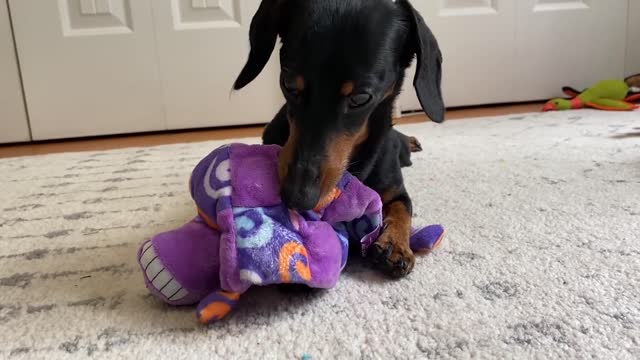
(253, 227)
(363, 226)
(343, 236)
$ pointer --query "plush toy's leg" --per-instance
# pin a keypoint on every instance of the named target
(612, 105)
(182, 266)
(426, 239)
(216, 306)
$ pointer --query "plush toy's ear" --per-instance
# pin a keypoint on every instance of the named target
(428, 78)
(571, 92)
(263, 34)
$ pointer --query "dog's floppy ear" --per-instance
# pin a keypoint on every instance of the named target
(263, 34)
(429, 66)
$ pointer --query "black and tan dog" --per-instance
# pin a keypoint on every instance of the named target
(343, 65)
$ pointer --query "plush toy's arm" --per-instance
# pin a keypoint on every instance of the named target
(358, 210)
(426, 239)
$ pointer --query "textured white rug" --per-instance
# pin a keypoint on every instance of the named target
(542, 257)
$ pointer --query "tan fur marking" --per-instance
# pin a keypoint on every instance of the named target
(389, 195)
(338, 155)
(300, 83)
(390, 91)
(397, 221)
(347, 88)
(397, 218)
(395, 214)
(398, 259)
(286, 154)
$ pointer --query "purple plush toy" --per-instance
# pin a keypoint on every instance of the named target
(243, 235)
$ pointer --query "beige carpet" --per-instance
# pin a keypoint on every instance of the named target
(542, 257)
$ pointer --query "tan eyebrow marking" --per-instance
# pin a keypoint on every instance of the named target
(347, 88)
(300, 83)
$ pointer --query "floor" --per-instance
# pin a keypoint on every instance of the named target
(540, 260)
(114, 142)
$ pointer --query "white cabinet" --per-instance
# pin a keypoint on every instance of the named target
(97, 67)
(633, 39)
(503, 50)
(568, 42)
(13, 120)
(202, 46)
(477, 42)
(89, 67)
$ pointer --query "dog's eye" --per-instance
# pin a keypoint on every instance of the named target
(359, 100)
(293, 84)
(290, 86)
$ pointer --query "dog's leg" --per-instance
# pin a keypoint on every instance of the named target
(404, 145)
(412, 141)
(391, 252)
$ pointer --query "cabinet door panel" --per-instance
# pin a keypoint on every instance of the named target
(477, 42)
(13, 119)
(202, 46)
(568, 42)
(89, 66)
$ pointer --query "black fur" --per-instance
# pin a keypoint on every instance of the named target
(329, 42)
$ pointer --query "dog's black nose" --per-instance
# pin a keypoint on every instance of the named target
(299, 200)
(301, 188)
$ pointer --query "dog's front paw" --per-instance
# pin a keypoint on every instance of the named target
(414, 144)
(392, 255)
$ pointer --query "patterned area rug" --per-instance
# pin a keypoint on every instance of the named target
(541, 260)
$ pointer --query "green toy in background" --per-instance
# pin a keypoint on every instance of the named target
(605, 95)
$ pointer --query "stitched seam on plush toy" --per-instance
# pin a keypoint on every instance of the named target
(207, 220)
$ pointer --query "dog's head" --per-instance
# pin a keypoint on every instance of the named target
(342, 61)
